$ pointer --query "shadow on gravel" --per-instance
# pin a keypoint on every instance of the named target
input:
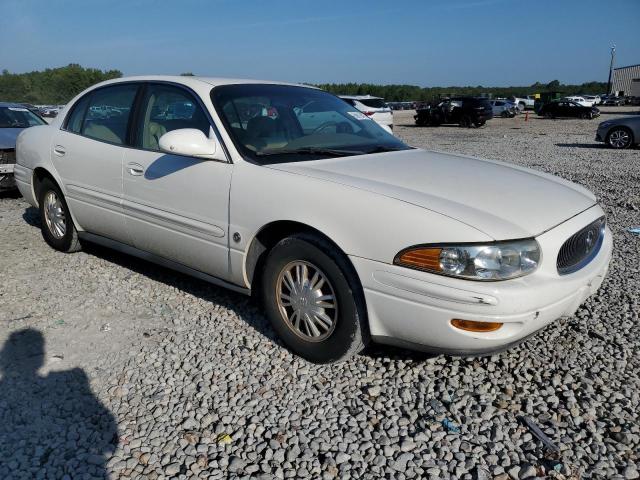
(580, 145)
(31, 215)
(396, 353)
(246, 307)
(50, 426)
(10, 194)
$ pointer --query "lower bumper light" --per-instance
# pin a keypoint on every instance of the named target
(473, 326)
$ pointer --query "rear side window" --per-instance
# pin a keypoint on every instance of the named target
(74, 121)
(166, 108)
(373, 102)
(107, 117)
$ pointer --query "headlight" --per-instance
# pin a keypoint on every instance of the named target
(491, 261)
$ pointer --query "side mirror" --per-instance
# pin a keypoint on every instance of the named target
(191, 142)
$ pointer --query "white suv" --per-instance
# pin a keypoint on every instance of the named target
(374, 107)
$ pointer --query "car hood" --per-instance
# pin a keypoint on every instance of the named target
(501, 200)
(8, 137)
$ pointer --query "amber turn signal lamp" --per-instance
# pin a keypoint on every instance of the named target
(425, 258)
(472, 326)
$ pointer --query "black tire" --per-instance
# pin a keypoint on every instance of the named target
(350, 332)
(420, 121)
(465, 121)
(479, 123)
(67, 242)
(621, 131)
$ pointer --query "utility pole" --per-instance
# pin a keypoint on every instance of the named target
(613, 56)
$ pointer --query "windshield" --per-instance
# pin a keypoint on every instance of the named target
(281, 123)
(18, 117)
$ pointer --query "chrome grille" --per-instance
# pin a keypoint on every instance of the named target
(581, 247)
(7, 157)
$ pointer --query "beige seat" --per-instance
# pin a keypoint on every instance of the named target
(101, 132)
(152, 134)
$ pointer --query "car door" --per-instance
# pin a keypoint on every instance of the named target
(176, 207)
(88, 152)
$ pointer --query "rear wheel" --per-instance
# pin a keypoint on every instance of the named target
(56, 224)
(479, 123)
(313, 299)
(619, 137)
(465, 121)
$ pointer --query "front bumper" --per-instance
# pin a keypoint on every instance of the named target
(415, 309)
(601, 134)
(7, 180)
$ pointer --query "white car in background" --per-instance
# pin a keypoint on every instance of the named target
(344, 233)
(592, 98)
(374, 107)
(580, 101)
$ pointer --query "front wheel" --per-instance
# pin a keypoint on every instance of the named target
(619, 138)
(56, 223)
(313, 299)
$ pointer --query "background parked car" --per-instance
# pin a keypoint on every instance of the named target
(592, 98)
(466, 112)
(524, 103)
(567, 108)
(614, 101)
(580, 100)
(503, 108)
(374, 107)
(620, 132)
(14, 118)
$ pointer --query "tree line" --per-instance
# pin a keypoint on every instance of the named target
(401, 93)
(59, 85)
(51, 86)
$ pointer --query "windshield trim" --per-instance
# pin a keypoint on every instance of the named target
(269, 159)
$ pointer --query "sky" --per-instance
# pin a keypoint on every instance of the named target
(418, 42)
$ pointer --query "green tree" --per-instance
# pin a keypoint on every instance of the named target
(51, 86)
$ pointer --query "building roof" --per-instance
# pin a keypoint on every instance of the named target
(628, 66)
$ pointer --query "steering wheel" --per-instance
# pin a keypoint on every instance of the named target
(323, 126)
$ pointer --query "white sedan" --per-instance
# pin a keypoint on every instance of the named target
(345, 233)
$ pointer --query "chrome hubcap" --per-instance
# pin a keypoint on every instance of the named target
(54, 215)
(619, 138)
(307, 301)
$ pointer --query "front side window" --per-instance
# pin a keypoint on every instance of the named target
(166, 108)
(107, 116)
(18, 117)
(281, 123)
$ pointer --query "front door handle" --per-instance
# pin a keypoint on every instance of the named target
(135, 169)
(59, 150)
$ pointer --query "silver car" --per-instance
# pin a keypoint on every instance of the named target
(14, 118)
(620, 132)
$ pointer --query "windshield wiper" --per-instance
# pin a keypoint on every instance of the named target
(334, 152)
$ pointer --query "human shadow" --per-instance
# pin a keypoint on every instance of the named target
(51, 426)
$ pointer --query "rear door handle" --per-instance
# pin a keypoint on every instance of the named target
(135, 169)
(59, 150)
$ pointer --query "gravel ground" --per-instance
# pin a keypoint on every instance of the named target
(112, 367)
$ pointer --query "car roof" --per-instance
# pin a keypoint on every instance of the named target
(194, 80)
(360, 97)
